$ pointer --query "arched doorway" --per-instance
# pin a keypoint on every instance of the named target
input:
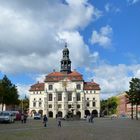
(60, 114)
(78, 113)
(50, 114)
(33, 112)
(40, 112)
(87, 112)
(95, 113)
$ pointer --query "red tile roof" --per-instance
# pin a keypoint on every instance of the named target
(91, 86)
(37, 87)
(57, 76)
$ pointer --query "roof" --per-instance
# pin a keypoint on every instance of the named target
(91, 86)
(57, 76)
(37, 87)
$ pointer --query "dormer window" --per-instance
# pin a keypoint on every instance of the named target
(78, 86)
(50, 87)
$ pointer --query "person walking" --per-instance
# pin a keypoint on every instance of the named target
(45, 119)
(59, 124)
(22, 117)
(92, 118)
(25, 118)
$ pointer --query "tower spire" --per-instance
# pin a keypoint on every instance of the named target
(65, 62)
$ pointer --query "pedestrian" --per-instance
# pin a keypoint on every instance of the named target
(45, 119)
(88, 118)
(59, 121)
(92, 118)
(25, 118)
(22, 117)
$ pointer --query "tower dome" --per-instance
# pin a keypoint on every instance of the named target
(65, 62)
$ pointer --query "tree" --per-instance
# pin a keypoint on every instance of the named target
(8, 92)
(112, 105)
(133, 95)
(109, 106)
(24, 104)
(104, 108)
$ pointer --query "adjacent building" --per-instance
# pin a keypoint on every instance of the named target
(64, 93)
(124, 107)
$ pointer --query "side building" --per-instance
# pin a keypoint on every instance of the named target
(65, 93)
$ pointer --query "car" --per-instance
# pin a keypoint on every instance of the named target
(37, 116)
(7, 116)
(17, 115)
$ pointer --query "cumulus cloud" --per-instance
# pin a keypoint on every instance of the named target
(29, 33)
(23, 90)
(115, 79)
(103, 37)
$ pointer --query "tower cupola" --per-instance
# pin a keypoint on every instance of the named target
(65, 62)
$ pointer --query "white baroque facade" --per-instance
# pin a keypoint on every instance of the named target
(65, 93)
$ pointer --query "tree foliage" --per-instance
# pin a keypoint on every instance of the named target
(133, 94)
(109, 106)
(24, 104)
(8, 92)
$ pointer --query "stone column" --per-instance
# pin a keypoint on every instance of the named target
(74, 102)
(64, 103)
(83, 102)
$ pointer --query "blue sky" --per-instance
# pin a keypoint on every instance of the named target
(103, 37)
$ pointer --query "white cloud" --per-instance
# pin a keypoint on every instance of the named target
(103, 37)
(23, 90)
(115, 79)
(111, 8)
(29, 32)
(79, 51)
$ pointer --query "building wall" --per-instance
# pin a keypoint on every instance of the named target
(124, 108)
(58, 87)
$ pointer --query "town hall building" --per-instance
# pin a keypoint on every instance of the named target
(65, 92)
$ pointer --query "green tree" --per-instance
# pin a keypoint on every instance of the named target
(112, 105)
(104, 107)
(133, 95)
(24, 104)
(109, 106)
(8, 92)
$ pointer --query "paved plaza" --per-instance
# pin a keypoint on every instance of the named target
(101, 129)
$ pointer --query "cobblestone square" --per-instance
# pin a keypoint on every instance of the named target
(101, 129)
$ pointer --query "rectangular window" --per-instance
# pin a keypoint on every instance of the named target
(78, 106)
(69, 96)
(59, 96)
(50, 87)
(50, 106)
(78, 86)
(50, 97)
(34, 104)
(78, 97)
(87, 104)
(93, 104)
(59, 106)
(40, 104)
(69, 106)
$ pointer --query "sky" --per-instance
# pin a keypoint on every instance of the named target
(103, 37)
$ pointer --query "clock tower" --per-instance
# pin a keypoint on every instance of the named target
(65, 62)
